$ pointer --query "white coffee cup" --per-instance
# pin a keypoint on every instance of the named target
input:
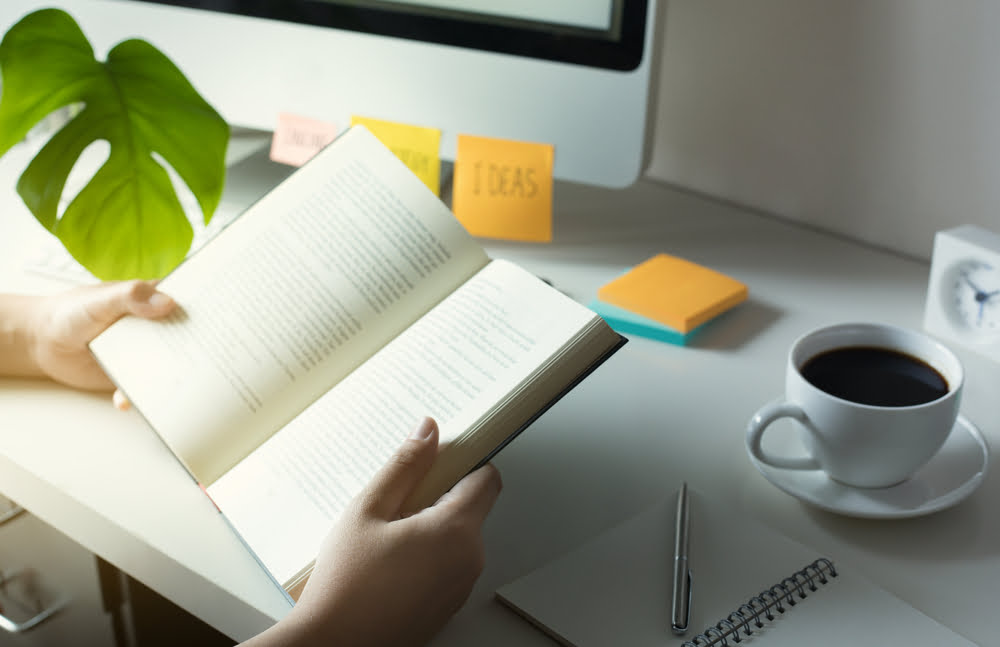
(855, 442)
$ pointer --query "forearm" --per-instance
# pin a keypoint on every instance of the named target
(295, 630)
(17, 314)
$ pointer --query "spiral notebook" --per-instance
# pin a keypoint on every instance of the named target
(615, 590)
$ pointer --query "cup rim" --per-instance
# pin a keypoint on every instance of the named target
(954, 373)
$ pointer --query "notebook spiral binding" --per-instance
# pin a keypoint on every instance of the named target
(758, 608)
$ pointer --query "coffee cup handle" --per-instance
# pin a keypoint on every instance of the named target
(755, 433)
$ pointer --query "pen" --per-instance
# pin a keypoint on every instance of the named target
(681, 609)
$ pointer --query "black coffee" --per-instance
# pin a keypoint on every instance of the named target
(875, 376)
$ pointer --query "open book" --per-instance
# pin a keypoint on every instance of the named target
(320, 326)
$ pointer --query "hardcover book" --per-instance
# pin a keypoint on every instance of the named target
(320, 326)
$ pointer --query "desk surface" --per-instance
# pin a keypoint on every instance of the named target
(649, 418)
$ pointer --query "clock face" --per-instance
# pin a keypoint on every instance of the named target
(971, 296)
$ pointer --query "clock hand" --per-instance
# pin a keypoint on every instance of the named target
(972, 285)
(983, 297)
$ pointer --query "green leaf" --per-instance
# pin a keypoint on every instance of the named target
(127, 222)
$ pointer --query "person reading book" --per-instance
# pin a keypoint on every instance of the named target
(316, 327)
(381, 578)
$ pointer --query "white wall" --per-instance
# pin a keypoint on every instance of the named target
(877, 119)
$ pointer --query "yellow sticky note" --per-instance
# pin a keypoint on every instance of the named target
(417, 146)
(675, 292)
(503, 188)
(296, 139)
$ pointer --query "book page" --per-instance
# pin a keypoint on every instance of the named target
(461, 362)
(288, 299)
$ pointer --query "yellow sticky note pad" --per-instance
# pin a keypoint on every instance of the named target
(675, 292)
(503, 188)
(417, 146)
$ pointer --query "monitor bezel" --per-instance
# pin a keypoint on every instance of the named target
(593, 48)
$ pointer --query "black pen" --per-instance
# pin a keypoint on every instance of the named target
(681, 609)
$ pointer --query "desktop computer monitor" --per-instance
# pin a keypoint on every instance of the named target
(576, 74)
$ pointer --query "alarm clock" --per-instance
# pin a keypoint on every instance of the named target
(963, 292)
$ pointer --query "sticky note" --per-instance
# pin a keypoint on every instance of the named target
(674, 292)
(629, 323)
(418, 147)
(503, 188)
(296, 139)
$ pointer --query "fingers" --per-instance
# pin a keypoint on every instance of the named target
(119, 401)
(473, 497)
(139, 298)
(145, 301)
(100, 306)
(390, 487)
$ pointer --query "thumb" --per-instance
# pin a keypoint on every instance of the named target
(385, 494)
(97, 308)
(139, 298)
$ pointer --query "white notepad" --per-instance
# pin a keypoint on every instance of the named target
(615, 589)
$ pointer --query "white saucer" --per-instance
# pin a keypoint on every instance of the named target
(953, 474)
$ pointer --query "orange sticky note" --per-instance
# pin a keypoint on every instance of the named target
(296, 139)
(673, 291)
(417, 146)
(503, 188)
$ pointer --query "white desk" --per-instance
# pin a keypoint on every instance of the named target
(652, 416)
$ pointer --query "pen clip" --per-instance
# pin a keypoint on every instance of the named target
(677, 627)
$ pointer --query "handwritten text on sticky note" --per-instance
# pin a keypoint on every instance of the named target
(503, 188)
(296, 139)
(418, 147)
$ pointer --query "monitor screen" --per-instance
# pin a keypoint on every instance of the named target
(576, 74)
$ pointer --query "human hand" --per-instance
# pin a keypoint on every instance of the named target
(385, 579)
(64, 323)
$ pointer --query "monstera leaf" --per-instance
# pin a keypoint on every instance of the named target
(127, 221)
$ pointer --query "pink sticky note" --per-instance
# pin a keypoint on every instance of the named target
(296, 139)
